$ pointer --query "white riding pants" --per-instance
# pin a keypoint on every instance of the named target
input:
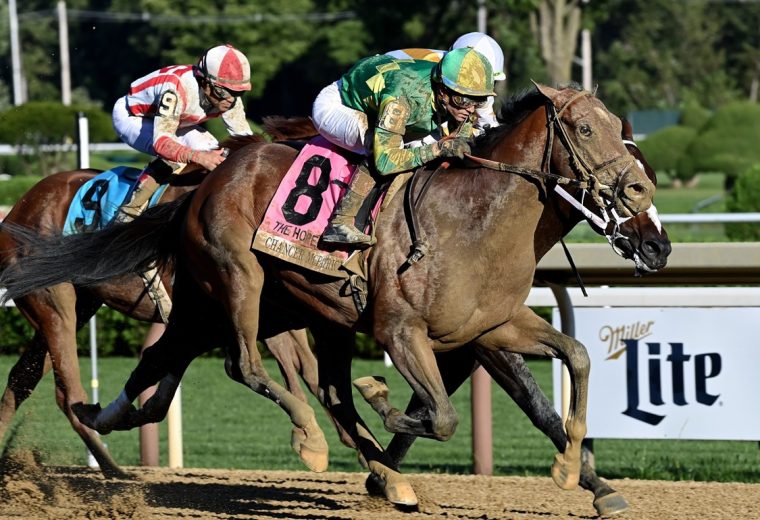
(137, 131)
(339, 124)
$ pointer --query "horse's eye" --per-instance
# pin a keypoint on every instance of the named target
(585, 130)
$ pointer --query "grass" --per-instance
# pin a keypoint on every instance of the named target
(227, 426)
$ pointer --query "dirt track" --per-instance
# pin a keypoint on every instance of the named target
(31, 491)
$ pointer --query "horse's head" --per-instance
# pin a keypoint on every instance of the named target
(590, 135)
(642, 238)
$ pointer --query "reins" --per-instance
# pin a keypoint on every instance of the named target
(538, 174)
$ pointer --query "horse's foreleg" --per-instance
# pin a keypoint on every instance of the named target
(334, 348)
(455, 366)
(511, 372)
(527, 333)
(412, 354)
(284, 347)
(154, 409)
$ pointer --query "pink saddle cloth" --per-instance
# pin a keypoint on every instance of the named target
(302, 205)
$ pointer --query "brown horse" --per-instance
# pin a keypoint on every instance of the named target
(469, 291)
(56, 313)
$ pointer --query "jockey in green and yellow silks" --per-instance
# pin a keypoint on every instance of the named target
(485, 45)
(381, 102)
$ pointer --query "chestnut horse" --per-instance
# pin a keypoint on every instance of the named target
(469, 291)
(56, 313)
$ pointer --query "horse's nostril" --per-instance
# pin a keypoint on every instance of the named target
(651, 248)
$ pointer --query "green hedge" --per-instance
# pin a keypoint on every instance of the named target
(745, 198)
(116, 334)
(46, 122)
(664, 148)
(12, 189)
(728, 143)
(40, 123)
(694, 116)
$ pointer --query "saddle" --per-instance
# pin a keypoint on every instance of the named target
(96, 203)
(301, 207)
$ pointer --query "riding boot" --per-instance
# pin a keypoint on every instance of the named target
(157, 292)
(342, 226)
(147, 184)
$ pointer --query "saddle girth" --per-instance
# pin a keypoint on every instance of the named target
(411, 205)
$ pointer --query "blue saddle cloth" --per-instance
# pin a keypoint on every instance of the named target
(95, 204)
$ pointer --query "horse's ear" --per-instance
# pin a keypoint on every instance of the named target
(549, 92)
(627, 129)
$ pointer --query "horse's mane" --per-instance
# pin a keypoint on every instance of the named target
(235, 142)
(289, 128)
(277, 128)
(513, 110)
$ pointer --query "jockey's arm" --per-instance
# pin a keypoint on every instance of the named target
(388, 146)
(165, 125)
(235, 121)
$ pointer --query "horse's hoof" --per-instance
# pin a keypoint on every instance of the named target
(394, 485)
(374, 485)
(566, 474)
(115, 472)
(88, 415)
(610, 505)
(312, 449)
(371, 387)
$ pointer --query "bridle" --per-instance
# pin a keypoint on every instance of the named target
(587, 177)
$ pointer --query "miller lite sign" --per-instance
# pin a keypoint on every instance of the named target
(670, 373)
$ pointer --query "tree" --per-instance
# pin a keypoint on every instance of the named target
(656, 53)
(740, 39)
(556, 25)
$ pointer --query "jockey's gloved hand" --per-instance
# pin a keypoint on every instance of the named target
(209, 160)
(456, 147)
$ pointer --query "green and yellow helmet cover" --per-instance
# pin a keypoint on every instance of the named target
(466, 72)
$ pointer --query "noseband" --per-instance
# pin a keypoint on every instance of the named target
(584, 172)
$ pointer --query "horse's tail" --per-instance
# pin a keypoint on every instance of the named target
(95, 257)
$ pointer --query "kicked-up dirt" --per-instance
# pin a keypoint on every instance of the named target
(29, 490)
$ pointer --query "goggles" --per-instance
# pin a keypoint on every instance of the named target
(223, 94)
(462, 101)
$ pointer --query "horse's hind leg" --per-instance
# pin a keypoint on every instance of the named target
(527, 333)
(22, 380)
(511, 372)
(193, 326)
(55, 315)
(294, 357)
(334, 347)
(237, 270)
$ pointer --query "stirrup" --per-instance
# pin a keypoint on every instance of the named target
(345, 234)
(126, 214)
